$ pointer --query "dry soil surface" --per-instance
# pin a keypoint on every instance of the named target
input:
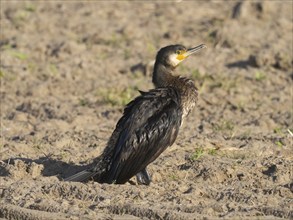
(68, 68)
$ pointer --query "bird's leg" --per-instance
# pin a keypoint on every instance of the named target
(143, 177)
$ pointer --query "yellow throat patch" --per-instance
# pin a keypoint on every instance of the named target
(181, 56)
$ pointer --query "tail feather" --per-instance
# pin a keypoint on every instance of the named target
(82, 176)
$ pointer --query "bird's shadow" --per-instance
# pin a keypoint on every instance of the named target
(52, 167)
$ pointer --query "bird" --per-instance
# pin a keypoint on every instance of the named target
(149, 125)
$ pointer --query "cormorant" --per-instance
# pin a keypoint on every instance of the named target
(150, 123)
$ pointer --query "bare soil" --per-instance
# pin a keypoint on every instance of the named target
(68, 68)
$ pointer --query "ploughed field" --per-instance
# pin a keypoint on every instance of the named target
(68, 68)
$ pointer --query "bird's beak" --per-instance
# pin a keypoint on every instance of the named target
(194, 50)
(190, 51)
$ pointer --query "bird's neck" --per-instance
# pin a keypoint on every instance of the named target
(162, 75)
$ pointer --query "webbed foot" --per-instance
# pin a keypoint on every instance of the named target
(143, 177)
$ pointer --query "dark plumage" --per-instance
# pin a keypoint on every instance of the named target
(150, 123)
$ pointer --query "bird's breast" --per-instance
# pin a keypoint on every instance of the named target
(189, 94)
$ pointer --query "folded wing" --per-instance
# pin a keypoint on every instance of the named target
(149, 125)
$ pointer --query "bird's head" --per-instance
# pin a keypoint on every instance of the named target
(172, 55)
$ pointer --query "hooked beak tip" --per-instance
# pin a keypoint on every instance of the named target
(195, 49)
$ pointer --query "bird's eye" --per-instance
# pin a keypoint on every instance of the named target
(178, 52)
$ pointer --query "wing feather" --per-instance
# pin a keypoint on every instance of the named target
(149, 125)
